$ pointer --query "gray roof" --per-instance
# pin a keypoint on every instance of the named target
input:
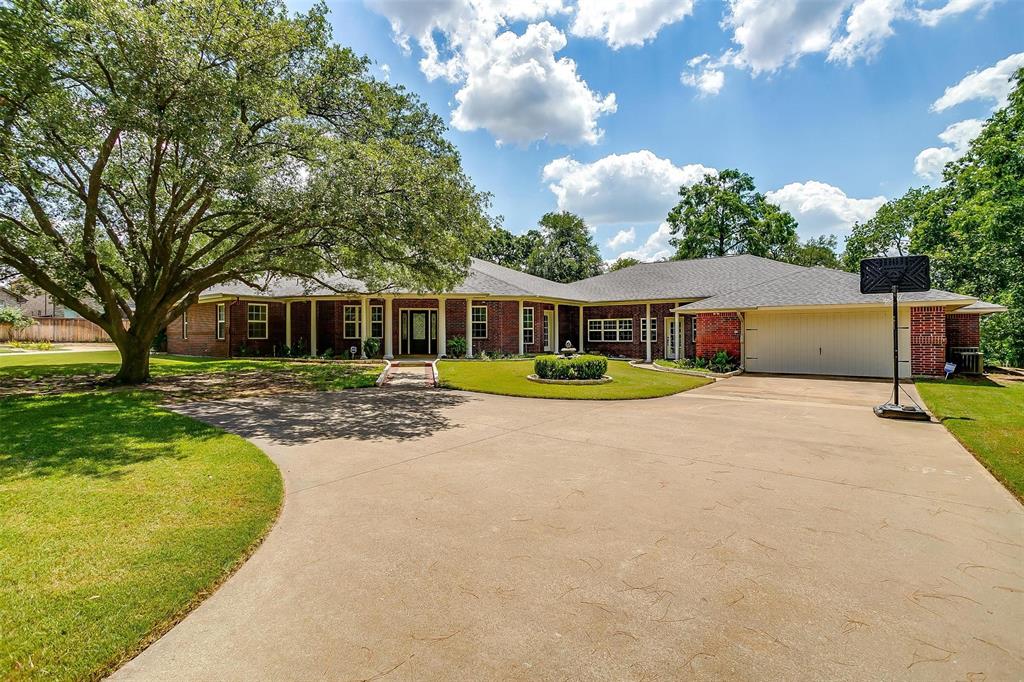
(812, 287)
(982, 308)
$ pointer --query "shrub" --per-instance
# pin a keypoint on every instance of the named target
(579, 367)
(371, 347)
(457, 346)
(32, 345)
(721, 362)
(15, 318)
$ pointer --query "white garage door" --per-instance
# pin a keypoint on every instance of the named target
(848, 343)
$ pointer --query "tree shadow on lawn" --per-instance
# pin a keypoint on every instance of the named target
(88, 434)
(367, 414)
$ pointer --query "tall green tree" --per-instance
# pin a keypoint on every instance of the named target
(504, 248)
(152, 149)
(973, 227)
(622, 263)
(724, 214)
(817, 252)
(566, 252)
(888, 231)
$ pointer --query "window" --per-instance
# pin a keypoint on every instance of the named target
(643, 330)
(693, 329)
(479, 320)
(619, 331)
(184, 324)
(221, 321)
(353, 321)
(377, 321)
(527, 325)
(257, 320)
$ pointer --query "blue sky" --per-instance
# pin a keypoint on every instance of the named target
(605, 107)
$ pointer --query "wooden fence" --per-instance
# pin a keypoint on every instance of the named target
(56, 329)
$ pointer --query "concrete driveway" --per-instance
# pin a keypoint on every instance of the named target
(759, 528)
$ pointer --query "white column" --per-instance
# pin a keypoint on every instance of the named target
(522, 346)
(442, 328)
(364, 325)
(557, 346)
(388, 350)
(469, 327)
(650, 332)
(288, 324)
(579, 343)
(312, 327)
(679, 349)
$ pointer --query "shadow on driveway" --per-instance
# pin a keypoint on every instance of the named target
(366, 414)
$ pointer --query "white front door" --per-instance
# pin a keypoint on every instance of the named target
(549, 320)
(670, 339)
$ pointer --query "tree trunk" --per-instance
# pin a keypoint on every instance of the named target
(134, 351)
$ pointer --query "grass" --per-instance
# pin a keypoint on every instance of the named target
(509, 378)
(118, 517)
(988, 418)
(322, 376)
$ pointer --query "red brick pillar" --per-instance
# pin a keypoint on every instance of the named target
(927, 340)
(718, 331)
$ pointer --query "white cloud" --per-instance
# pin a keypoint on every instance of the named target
(512, 85)
(627, 22)
(385, 71)
(656, 246)
(930, 162)
(621, 238)
(705, 74)
(620, 188)
(992, 84)
(867, 27)
(822, 209)
(932, 17)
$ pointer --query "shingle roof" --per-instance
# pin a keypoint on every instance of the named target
(812, 287)
(982, 308)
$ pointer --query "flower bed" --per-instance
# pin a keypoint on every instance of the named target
(576, 368)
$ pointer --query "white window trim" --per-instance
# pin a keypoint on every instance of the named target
(221, 322)
(693, 329)
(618, 330)
(533, 321)
(265, 321)
(358, 321)
(645, 324)
(474, 322)
(374, 308)
(184, 323)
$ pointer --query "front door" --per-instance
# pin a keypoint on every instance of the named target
(419, 332)
(670, 339)
(549, 317)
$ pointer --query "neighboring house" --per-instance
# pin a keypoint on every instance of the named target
(43, 304)
(774, 317)
(10, 299)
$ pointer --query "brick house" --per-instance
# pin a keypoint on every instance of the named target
(771, 316)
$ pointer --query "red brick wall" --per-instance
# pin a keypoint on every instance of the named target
(202, 333)
(718, 331)
(963, 330)
(927, 340)
(502, 328)
(455, 318)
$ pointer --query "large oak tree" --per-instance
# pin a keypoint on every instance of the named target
(152, 149)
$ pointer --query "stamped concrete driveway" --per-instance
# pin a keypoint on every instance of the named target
(760, 528)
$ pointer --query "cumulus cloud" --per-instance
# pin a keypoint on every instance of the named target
(704, 74)
(934, 16)
(636, 187)
(991, 84)
(627, 22)
(509, 84)
(621, 238)
(822, 209)
(867, 28)
(655, 247)
(930, 162)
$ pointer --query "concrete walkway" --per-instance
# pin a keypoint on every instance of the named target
(758, 528)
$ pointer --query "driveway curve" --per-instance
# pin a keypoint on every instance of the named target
(756, 528)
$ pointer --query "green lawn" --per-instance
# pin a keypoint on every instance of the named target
(117, 517)
(988, 418)
(323, 376)
(508, 377)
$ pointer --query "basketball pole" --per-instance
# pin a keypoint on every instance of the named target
(895, 348)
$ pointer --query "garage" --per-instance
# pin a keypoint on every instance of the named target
(842, 342)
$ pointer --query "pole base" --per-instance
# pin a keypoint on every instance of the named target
(911, 412)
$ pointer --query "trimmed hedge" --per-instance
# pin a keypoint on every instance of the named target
(577, 367)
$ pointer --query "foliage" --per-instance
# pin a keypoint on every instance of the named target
(578, 367)
(566, 252)
(888, 232)
(115, 528)
(504, 248)
(371, 347)
(457, 346)
(508, 377)
(31, 345)
(721, 362)
(987, 418)
(15, 317)
(620, 263)
(818, 252)
(723, 214)
(150, 150)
